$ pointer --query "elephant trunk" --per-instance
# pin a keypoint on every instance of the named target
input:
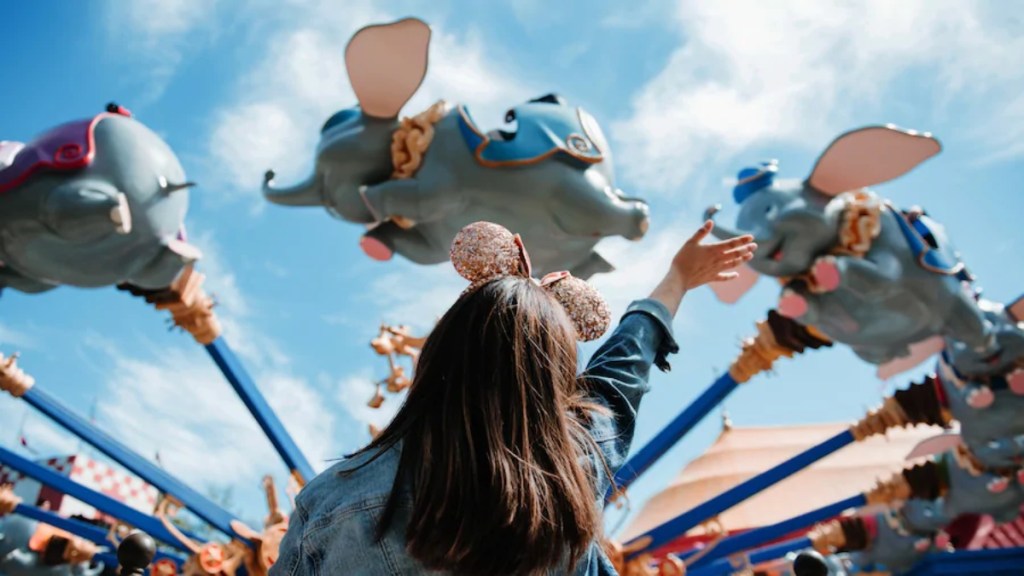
(309, 192)
(719, 231)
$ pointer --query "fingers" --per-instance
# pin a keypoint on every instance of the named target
(701, 232)
(734, 262)
(733, 243)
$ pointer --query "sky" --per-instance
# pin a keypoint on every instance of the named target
(688, 92)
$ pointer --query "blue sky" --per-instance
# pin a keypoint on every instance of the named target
(688, 93)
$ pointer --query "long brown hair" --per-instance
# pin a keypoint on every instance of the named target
(493, 439)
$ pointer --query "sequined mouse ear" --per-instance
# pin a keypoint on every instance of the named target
(582, 302)
(483, 250)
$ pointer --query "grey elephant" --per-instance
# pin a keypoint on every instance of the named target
(861, 271)
(27, 548)
(894, 546)
(986, 393)
(92, 203)
(964, 488)
(418, 181)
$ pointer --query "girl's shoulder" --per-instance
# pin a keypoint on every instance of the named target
(361, 481)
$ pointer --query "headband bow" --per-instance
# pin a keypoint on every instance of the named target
(483, 251)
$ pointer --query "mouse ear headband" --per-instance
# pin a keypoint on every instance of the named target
(482, 252)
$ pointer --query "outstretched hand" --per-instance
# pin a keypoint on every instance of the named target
(697, 264)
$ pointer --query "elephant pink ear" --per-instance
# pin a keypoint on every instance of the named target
(869, 156)
(1016, 310)
(731, 291)
(919, 352)
(935, 445)
(386, 65)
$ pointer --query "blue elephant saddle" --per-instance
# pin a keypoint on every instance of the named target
(69, 146)
(544, 130)
(926, 250)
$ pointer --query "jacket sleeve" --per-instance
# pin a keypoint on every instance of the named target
(290, 557)
(617, 377)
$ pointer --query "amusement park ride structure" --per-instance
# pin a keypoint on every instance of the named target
(854, 269)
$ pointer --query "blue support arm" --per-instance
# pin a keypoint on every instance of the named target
(665, 533)
(84, 530)
(680, 426)
(725, 566)
(758, 536)
(194, 501)
(105, 504)
(257, 405)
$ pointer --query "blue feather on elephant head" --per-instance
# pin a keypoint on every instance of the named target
(863, 272)
(416, 181)
(92, 203)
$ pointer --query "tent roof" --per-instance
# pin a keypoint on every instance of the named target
(741, 453)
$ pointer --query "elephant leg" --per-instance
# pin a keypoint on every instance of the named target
(382, 242)
(409, 201)
(588, 212)
(965, 322)
(84, 212)
(165, 267)
(870, 275)
(11, 279)
(594, 264)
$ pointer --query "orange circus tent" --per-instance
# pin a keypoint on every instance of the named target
(741, 453)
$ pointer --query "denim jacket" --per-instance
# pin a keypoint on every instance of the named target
(331, 532)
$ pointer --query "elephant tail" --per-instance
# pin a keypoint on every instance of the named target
(309, 192)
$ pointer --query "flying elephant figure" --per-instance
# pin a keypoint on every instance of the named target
(855, 267)
(962, 486)
(986, 393)
(91, 203)
(892, 545)
(30, 548)
(416, 182)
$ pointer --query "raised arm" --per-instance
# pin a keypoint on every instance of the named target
(617, 374)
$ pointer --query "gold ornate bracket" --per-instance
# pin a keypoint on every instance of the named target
(190, 307)
(13, 379)
(8, 499)
(777, 337)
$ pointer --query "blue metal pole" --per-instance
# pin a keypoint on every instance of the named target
(665, 533)
(758, 536)
(725, 567)
(144, 522)
(92, 533)
(680, 426)
(194, 501)
(257, 405)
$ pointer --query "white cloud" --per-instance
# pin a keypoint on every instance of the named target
(798, 72)
(356, 390)
(177, 403)
(156, 35)
(300, 81)
(10, 337)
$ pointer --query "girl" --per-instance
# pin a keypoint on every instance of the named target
(499, 459)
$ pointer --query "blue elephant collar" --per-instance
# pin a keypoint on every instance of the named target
(927, 253)
(67, 147)
(755, 179)
(544, 131)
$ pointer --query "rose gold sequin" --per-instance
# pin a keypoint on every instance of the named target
(483, 250)
(584, 305)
